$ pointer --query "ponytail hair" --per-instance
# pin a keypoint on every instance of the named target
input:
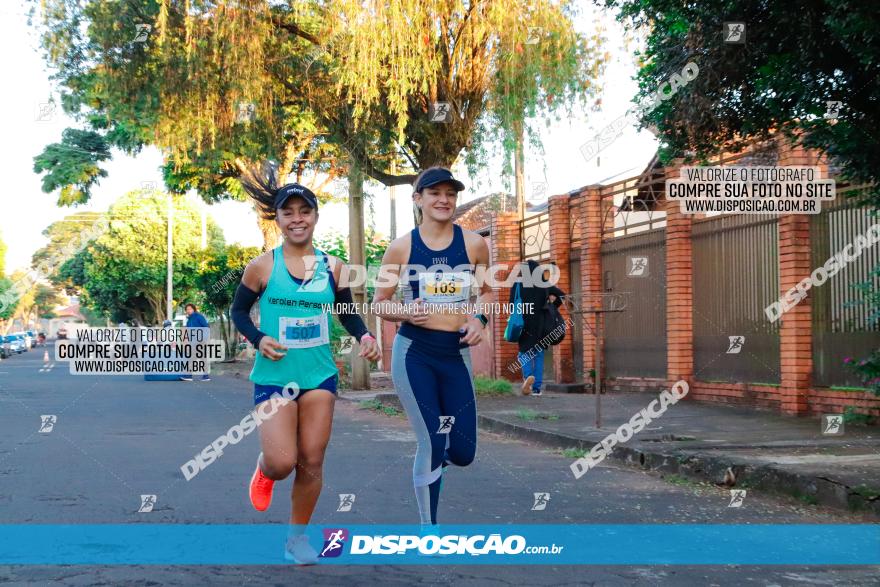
(261, 184)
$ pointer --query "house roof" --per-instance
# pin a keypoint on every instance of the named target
(71, 311)
(477, 214)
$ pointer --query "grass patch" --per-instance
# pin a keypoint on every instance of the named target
(531, 415)
(678, 480)
(850, 416)
(845, 388)
(866, 492)
(574, 453)
(807, 499)
(370, 404)
(486, 386)
(374, 404)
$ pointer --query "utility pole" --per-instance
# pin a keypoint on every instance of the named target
(168, 286)
(204, 211)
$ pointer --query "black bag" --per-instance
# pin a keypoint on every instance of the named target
(554, 326)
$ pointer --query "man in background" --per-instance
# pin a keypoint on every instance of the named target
(194, 319)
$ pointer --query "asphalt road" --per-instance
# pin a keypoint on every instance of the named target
(118, 437)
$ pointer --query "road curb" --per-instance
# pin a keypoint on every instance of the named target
(695, 465)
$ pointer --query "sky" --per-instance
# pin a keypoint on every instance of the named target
(25, 210)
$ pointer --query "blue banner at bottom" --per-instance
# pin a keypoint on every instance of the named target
(259, 544)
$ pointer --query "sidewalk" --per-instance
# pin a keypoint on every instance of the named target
(766, 452)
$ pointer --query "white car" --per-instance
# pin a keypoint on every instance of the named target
(16, 343)
(27, 340)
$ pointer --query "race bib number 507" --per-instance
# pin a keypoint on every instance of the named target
(302, 333)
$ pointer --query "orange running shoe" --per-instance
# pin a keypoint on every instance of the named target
(261, 489)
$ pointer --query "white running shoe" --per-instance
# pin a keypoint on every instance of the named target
(430, 530)
(299, 550)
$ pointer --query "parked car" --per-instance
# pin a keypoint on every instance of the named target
(62, 333)
(33, 338)
(6, 347)
(24, 339)
(17, 343)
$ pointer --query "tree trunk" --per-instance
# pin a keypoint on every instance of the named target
(360, 368)
(228, 333)
(269, 230)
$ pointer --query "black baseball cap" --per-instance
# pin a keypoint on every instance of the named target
(435, 176)
(290, 190)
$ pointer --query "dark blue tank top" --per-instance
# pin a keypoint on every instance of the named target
(439, 277)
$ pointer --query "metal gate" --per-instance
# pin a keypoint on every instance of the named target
(735, 276)
(842, 324)
(635, 340)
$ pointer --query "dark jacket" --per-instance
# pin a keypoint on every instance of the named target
(533, 315)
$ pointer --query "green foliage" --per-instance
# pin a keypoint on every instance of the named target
(867, 369)
(794, 60)
(375, 404)
(62, 259)
(574, 453)
(851, 416)
(8, 299)
(486, 386)
(124, 270)
(217, 277)
(328, 80)
(72, 165)
(46, 299)
(530, 415)
(336, 244)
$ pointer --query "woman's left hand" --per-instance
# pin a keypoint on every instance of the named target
(472, 332)
(370, 349)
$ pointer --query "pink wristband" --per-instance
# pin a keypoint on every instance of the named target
(370, 336)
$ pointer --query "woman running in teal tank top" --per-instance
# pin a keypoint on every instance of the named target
(296, 285)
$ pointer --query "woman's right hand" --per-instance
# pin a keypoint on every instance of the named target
(269, 348)
(418, 313)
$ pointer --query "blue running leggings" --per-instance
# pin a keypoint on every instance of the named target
(431, 370)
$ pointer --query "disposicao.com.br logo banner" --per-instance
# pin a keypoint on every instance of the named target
(520, 544)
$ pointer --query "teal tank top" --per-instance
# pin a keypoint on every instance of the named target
(298, 316)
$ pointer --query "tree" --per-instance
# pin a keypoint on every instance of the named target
(59, 261)
(218, 275)
(360, 75)
(793, 62)
(37, 302)
(179, 88)
(124, 270)
(8, 304)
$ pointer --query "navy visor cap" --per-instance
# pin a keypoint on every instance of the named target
(290, 190)
(435, 176)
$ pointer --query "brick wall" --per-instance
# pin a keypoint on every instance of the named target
(590, 232)
(560, 253)
(679, 292)
(766, 397)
